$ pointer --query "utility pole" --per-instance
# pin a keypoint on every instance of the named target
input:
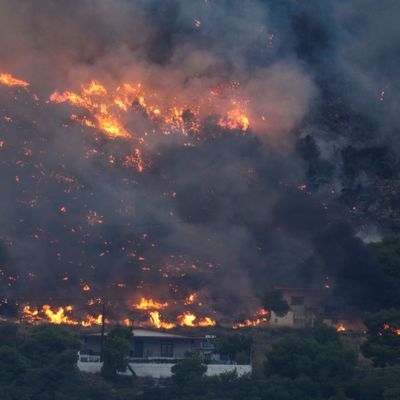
(103, 318)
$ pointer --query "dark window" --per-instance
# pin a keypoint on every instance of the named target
(138, 348)
(167, 349)
(297, 301)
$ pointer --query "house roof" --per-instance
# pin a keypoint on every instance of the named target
(156, 334)
(147, 333)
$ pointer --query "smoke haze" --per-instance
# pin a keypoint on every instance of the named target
(226, 213)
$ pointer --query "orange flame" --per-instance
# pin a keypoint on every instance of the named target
(155, 320)
(97, 101)
(236, 118)
(106, 110)
(190, 299)
(262, 316)
(149, 304)
(341, 328)
(387, 327)
(190, 319)
(9, 80)
(58, 316)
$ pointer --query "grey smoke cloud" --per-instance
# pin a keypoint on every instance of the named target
(231, 205)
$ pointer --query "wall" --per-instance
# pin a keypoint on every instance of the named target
(164, 370)
(152, 348)
(286, 320)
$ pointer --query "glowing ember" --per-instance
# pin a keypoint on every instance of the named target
(9, 80)
(86, 288)
(391, 329)
(190, 299)
(341, 328)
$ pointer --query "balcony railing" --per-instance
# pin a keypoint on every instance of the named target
(91, 358)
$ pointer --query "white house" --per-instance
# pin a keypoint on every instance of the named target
(154, 353)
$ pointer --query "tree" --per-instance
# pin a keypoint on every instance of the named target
(389, 256)
(274, 301)
(13, 367)
(187, 376)
(47, 342)
(116, 351)
(237, 347)
(391, 383)
(383, 338)
(326, 364)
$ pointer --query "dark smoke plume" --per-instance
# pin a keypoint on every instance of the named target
(282, 205)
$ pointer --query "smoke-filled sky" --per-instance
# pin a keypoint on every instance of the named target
(226, 212)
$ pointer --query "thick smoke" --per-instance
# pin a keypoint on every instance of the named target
(230, 216)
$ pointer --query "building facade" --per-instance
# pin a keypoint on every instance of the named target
(153, 354)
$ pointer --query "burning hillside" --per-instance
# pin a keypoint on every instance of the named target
(185, 157)
(113, 115)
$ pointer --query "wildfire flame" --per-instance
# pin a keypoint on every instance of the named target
(261, 317)
(149, 304)
(106, 110)
(111, 111)
(156, 321)
(235, 119)
(341, 328)
(9, 80)
(392, 329)
(190, 319)
(57, 316)
(102, 106)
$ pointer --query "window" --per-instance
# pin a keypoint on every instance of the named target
(137, 348)
(167, 349)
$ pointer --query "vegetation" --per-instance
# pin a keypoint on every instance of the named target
(116, 351)
(40, 364)
(236, 347)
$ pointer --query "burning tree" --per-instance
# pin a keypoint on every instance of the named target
(383, 343)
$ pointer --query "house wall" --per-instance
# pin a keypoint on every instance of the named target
(92, 344)
(157, 371)
(286, 320)
(152, 347)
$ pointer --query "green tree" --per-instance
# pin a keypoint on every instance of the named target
(47, 342)
(13, 367)
(8, 334)
(389, 256)
(116, 351)
(188, 376)
(391, 383)
(383, 338)
(237, 347)
(273, 301)
(326, 364)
